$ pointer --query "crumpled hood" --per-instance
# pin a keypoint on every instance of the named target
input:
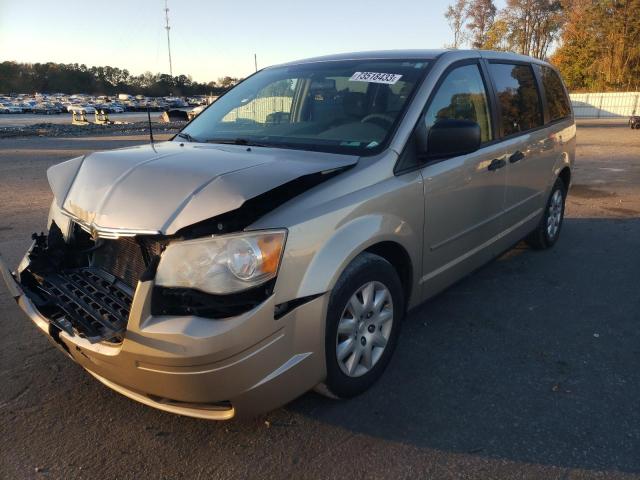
(166, 187)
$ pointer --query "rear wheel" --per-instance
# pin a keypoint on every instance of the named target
(363, 322)
(548, 230)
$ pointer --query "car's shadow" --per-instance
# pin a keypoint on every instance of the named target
(533, 358)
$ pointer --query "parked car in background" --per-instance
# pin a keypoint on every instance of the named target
(45, 109)
(88, 103)
(26, 107)
(12, 107)
(195, 101)
(194, 112)
(175, 102)
(116, 108)
(109, 107)
(59, 106)
(81, 108)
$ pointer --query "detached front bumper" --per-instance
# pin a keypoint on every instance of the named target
(201, 367)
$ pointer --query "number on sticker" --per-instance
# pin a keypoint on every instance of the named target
(375, 77)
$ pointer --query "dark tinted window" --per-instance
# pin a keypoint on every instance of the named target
(557, 101)
(518, 97)
(462, 96)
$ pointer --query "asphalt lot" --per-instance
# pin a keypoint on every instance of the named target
(526, 369)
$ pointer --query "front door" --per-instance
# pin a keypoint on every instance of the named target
(464, 195)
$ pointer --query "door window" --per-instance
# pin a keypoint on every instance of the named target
(462, 96)
(557, 101)
(518, 97)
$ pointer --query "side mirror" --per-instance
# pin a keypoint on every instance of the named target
(448, 138)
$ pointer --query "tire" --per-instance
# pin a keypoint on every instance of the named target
(375, 341)
(546, 235)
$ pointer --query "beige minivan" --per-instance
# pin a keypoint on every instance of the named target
(274, 245)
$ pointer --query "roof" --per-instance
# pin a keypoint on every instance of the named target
(413, 54)
(375, 54)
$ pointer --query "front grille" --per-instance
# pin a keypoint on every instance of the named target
(127, 258)
(86, 287)
(122, 258)
(89, 300)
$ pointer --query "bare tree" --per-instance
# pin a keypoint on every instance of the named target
(456, 15)
(533, 25)
(481, 15)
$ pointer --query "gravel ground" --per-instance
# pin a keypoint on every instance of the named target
(525, 369)
(26, 119)
(68, 130)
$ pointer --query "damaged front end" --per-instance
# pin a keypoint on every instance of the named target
(85, 286)
(83, 280)
(93, 282)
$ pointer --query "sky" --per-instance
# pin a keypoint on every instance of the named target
(212, 39)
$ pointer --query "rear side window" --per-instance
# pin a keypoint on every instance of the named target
(518, 97)
(557, 101)
(462, 96)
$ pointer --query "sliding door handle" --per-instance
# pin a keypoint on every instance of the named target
(496, 163)
(516, 157)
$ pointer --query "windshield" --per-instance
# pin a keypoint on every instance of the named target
(347, 107)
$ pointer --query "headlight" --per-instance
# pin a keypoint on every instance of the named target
(223, 264)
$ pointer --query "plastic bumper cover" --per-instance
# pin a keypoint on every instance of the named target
(213, 369)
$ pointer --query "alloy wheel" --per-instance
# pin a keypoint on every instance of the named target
(364, 329)
(554, 214)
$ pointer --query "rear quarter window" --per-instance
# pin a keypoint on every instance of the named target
(518, 97)
(555, 95)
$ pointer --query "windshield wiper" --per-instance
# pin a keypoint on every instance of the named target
(186, 136)
(238, 141)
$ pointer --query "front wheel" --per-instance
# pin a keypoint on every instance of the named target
(548, 230)
(363, 323)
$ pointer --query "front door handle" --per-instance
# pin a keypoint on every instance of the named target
(496, 163)
(516, 157)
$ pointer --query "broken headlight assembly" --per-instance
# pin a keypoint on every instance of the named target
(224, 264)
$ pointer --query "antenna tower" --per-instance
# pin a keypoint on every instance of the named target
(167, 28)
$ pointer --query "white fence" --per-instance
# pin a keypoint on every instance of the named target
(259, 109)
(605, 105)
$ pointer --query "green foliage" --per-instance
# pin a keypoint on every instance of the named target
(600, 46)
(74, 78)
(598, 41)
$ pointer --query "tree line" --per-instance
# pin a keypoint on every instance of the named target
(74, 78)
(594, 43)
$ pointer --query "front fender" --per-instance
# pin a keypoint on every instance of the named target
(343, 217)
(351, 239)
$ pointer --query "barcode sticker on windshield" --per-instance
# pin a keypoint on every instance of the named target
(375, 77)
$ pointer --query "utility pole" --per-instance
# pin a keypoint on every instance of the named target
(167, 28)
(255, 60)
